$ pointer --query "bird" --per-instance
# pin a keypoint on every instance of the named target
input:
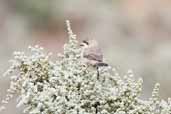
(92, 54)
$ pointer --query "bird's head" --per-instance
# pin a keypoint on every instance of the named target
(89, 43)
(84, 44)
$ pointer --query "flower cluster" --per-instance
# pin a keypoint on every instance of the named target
(70, 86)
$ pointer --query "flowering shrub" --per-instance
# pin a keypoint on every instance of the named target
(70, 86)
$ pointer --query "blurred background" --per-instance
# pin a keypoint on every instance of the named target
(133, 34)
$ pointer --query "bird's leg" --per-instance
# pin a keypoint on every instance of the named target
(96, 105)
(97, 68)
(77, 111)
(98, 74)
(96, 110)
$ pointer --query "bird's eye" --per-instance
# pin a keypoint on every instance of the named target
(86, 42)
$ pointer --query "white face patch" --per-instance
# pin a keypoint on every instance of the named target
(84, 45)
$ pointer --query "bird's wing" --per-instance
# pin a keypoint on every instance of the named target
(93, 52)
(94, 56)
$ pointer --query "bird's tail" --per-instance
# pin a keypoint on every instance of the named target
(101, 64)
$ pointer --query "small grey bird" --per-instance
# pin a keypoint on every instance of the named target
(92, 54)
